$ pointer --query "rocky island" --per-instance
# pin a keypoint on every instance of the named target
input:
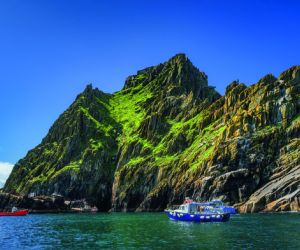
(167, 135)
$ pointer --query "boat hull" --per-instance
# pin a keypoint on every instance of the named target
(204, 217)
(17, 213)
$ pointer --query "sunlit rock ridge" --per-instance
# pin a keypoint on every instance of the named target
(167, 135)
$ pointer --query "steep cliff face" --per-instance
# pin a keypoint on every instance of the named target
(77, 158)
(166, 135)
(226, 149)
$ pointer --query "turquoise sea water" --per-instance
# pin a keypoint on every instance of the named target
(148, 231)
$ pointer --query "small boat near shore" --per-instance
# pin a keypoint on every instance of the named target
(15, 213)
(197, 212)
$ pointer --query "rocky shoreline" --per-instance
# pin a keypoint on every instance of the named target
(51, 204)
(43, 204)
(36, 204)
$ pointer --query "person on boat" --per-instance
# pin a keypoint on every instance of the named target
(14, 209)
(187, 200)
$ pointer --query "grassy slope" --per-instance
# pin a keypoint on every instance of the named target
(126, 107)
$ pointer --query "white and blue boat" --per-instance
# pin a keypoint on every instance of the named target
(197, 212)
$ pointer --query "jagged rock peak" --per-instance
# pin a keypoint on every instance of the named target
(235, 86)
(90, 90)
(179, 59)
(267, 79)
(89, 94)
(291, 73)
(178, 72)
(182, 71)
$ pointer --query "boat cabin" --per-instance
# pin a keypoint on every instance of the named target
(193, 207)
(217, 203)
(215, 206)
(183, 208)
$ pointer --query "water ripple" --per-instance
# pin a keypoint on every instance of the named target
(148, 231)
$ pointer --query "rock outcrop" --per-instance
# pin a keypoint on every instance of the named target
(77, 157)
(39, 204)
(168, 134)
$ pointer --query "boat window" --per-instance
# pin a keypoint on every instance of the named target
(182, 207)
(193, 208)
(218, 203)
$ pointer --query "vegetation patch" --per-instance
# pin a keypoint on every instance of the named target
(73, 166)
(126, 107)
(267, 130)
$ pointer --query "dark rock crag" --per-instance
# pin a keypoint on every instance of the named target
(168, 134)
(35, 204)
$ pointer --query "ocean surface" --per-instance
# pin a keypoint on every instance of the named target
(148, 231)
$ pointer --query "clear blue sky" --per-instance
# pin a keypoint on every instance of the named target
(49, 51)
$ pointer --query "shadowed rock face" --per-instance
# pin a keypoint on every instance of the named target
(40, 204)
(166, 135)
